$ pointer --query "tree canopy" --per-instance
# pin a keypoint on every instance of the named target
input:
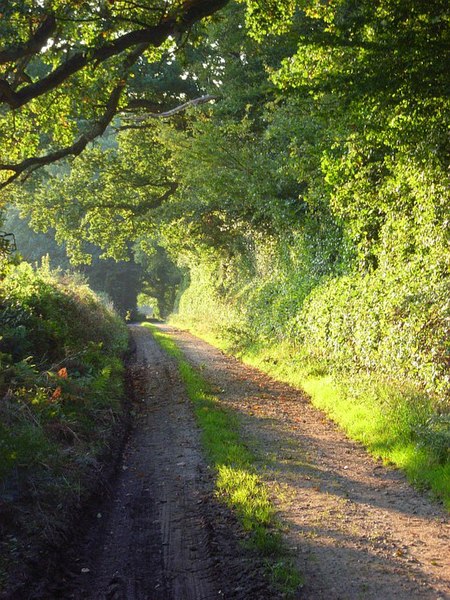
(67, 68)
(325, 155)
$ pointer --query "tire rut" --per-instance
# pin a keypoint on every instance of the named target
(159, 534)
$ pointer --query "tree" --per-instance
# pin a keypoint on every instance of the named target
(66, 70)
(162, 278)
(325, 158)
(120, 280)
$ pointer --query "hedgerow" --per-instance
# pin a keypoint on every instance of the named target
(381, 335)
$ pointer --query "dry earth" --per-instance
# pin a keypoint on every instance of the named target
(357, 529)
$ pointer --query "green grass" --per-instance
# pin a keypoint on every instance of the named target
(237, 483)
(395, 422)
(392, 422)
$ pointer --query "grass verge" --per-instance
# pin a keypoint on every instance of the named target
(237, 483)
(395, 423)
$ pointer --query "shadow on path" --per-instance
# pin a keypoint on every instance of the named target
(358, 530)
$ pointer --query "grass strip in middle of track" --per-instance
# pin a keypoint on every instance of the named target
(237, 483)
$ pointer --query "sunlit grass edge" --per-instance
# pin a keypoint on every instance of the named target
(237, 483)
(367, 408)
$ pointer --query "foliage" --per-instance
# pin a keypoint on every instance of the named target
(371, 349)
(310, 204)
(51, 324)
(392, 323)
(161, 276)
(66, 70)
(343, 256)
(60, 397)
(102, 198)
(120, 280)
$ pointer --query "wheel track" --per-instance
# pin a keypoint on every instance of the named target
(159, 534)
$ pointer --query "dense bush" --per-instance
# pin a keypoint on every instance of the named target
(58, 354)
(61, 385)
(372, 349)
(50, 316)
(391, 321)
(397, 325)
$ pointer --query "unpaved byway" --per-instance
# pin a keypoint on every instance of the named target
(357, 529)
(159, 534)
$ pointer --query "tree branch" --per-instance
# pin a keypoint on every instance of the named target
(191, 12)
(179, 21)
(33, 45)
(168, 113)
(31, 164)
(142, 208)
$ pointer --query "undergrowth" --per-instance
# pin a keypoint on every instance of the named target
(61, 384)
(237, 483)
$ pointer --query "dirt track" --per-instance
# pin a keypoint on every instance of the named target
(160, 534)
(357, 530)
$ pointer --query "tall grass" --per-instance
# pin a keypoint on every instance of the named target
(61, 384)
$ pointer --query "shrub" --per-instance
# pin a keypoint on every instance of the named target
(61, 383)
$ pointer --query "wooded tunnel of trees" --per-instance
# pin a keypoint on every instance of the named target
(275, 172)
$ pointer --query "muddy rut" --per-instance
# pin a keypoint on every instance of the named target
(159, 534)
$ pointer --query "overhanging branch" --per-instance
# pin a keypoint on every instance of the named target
(33, 45)
(181, 20)
(143, 207)
(137, 121)
(29, 165)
